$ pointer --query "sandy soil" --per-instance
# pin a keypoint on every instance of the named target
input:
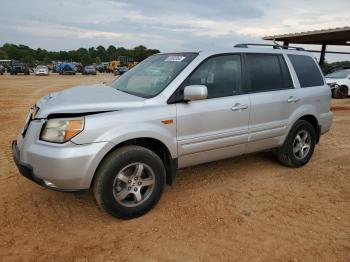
(244, 209)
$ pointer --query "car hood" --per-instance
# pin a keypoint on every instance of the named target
(339, 81)
(86, 99)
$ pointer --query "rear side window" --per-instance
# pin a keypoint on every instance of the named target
(307, 71)
(267, 72)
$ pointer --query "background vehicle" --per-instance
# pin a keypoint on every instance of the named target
(131, 64)
(65, 69)
(340, 83)
(42, 70)
(78, 67)
(122, 61)
(89, 70)
(2, 69)
(102, 68)
(17, 67)
(113, 65)
(125, 141)
(5, 63)
(120, 70)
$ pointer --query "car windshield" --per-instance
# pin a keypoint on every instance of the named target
(339, 74)
(152, 76)
(41, 67)
(89, 67)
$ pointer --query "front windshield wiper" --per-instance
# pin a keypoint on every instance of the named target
(134, 93)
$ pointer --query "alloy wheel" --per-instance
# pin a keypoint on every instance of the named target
(133, 184)
(302, 144)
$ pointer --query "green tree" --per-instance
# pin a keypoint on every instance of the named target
(140, 53)
(98, 60)
(28, 59)
(102, 53)
(92, 52)
(86, 59)
(26, 54)
(3, 54)
(112, 53)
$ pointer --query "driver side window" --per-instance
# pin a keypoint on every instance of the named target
(222, 75)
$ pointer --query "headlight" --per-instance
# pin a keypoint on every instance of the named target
(333, 85)
(61, 130)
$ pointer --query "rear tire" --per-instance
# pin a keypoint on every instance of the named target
(129, 182)
(299, 145)
(340, 92)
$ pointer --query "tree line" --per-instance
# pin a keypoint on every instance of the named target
(329, 67)
(85, 56)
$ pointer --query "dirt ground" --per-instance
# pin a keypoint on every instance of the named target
(244, 209)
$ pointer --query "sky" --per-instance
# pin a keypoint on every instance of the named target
(176, 25)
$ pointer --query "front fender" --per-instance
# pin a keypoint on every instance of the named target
(142, 130)
(117, 127)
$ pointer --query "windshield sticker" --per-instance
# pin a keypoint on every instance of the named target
(175, 58)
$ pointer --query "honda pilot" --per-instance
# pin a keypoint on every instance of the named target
(127, 140)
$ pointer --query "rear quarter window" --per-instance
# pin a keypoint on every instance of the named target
(307, 71)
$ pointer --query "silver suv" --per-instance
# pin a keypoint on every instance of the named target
(126, 140)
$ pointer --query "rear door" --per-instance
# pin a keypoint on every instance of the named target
(273, 99)
(217, 127)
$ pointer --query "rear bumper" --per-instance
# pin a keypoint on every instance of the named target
(26, 170)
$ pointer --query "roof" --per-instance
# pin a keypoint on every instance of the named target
(335, 36)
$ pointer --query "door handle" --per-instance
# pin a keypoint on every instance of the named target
(239, 107)
(292, 99)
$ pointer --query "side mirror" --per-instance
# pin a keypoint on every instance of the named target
(195, 92)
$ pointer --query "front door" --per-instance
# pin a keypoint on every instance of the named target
(217, 127)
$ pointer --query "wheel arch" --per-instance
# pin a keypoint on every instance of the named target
(334, 90)
(314, 122)
(156, 146)
(347, 87)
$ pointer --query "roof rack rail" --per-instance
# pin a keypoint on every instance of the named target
(274, 46)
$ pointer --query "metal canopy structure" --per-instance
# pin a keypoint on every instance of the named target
(336, 36)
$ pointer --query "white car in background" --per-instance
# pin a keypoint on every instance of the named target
(340, 83)
(41, 70)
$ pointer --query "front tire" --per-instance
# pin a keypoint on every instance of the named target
(299, 145)
(129, 182)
